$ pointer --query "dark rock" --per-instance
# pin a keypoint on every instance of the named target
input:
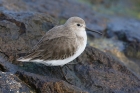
(21, 31)
(132, 50)
(9, 83)
(46, 84)
(5, 65)
(104, 73)
(94, 71)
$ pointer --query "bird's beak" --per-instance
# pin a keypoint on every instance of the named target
(87, 29)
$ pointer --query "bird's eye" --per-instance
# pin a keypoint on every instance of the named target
(78, 24)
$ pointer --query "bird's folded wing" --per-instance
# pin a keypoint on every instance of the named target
(54, 49)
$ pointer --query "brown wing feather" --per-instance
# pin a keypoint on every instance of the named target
(56, 48)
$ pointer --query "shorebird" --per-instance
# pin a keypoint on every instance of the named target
(61, 44)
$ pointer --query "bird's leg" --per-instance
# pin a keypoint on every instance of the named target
(61, 68)
(51, 71)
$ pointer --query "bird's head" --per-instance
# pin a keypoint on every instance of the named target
(78, 25)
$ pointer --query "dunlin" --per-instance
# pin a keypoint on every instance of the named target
(61, 44)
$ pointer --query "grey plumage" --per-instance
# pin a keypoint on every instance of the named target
(59, 42)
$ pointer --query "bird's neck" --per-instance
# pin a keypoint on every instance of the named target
(82, 37)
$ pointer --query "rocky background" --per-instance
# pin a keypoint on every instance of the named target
(110, 63)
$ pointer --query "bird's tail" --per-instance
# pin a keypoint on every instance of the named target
(23, 59)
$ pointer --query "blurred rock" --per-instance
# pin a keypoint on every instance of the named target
(127, 30)
(51, 7)
(60, 9)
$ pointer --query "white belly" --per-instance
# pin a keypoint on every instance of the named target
(67, 60)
